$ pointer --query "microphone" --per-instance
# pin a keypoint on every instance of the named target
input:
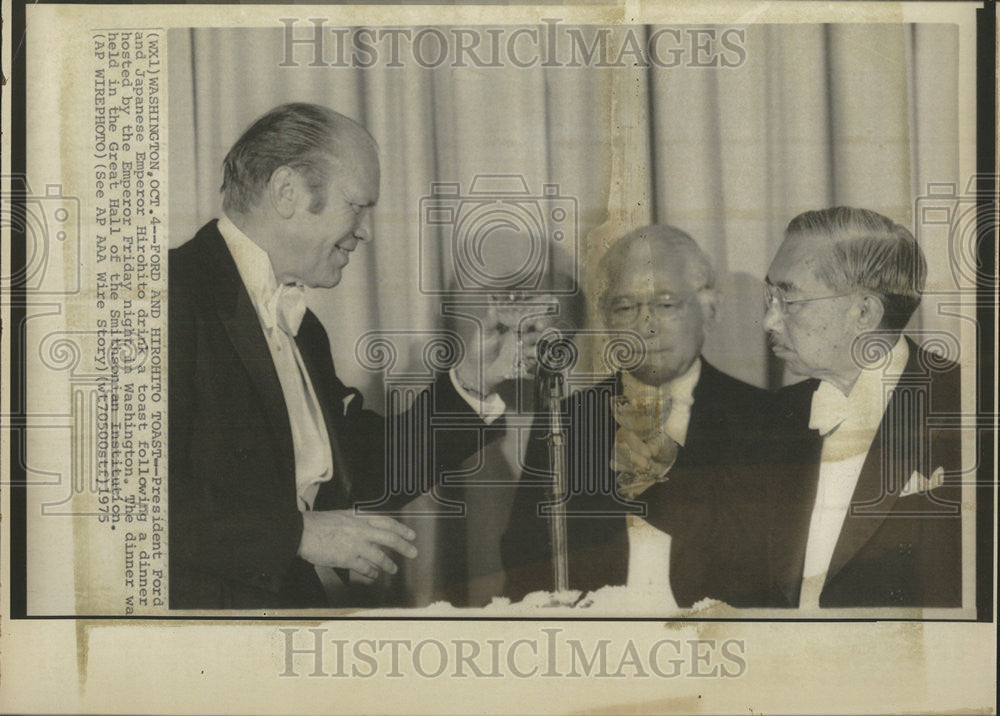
(555, 351)
(556, 354)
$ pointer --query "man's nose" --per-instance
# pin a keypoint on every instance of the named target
(364, 230)
(772, 317)
(647, 320)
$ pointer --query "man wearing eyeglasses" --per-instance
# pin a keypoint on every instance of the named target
(864, 500)
(653, 455)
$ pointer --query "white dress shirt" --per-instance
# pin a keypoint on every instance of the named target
(489, 408)
(649, 548)
(311, 441)
(848, 425)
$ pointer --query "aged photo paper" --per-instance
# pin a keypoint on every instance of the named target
(631, 357)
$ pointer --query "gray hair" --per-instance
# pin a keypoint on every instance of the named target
(677, 243)
(871, 253)
(313, 140)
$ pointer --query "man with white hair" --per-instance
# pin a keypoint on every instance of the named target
(269, 450)
(864, 505)
(647, 508)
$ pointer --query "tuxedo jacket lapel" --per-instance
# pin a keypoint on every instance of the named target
(791, 490)
(310, 342)
(791, 523)
(861, 523)
(704, 422)
(890, 461)
(239, 319)
(705, 446)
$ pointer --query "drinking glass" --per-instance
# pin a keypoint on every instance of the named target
(646, 417)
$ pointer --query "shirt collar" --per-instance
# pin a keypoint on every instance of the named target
(866, 402)
(275, 304)
(252, 262)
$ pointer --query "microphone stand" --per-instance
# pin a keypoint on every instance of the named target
(554, 389)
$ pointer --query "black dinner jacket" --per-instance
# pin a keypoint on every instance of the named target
(234, 523)
(700, 506)
(893, 551)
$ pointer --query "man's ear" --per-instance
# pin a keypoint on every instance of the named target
(282, 190)
(709, 301)
(871, 313)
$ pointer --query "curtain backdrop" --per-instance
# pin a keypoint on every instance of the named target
(817, 115)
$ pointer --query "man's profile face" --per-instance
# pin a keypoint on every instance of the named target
(651, 292)
(813, 338)
(324, 241)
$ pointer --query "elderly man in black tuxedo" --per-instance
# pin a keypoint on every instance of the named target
(269, 450)
(648, 509)
(864, 493)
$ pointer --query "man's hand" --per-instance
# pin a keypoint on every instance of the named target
(504, 347)
(338, 538)
(644, 461)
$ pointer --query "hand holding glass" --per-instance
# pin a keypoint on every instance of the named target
(519, 320)
(643, 452)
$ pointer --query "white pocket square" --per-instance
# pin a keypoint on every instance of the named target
(918, 484)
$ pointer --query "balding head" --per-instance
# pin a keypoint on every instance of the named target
(315, 141)
(657, 281)
(657, 245)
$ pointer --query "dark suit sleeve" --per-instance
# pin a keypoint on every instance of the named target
(392, 460)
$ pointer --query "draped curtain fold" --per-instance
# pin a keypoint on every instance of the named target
(817, 115)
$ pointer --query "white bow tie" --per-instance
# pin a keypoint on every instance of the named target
(285, 308)
(829, 409)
